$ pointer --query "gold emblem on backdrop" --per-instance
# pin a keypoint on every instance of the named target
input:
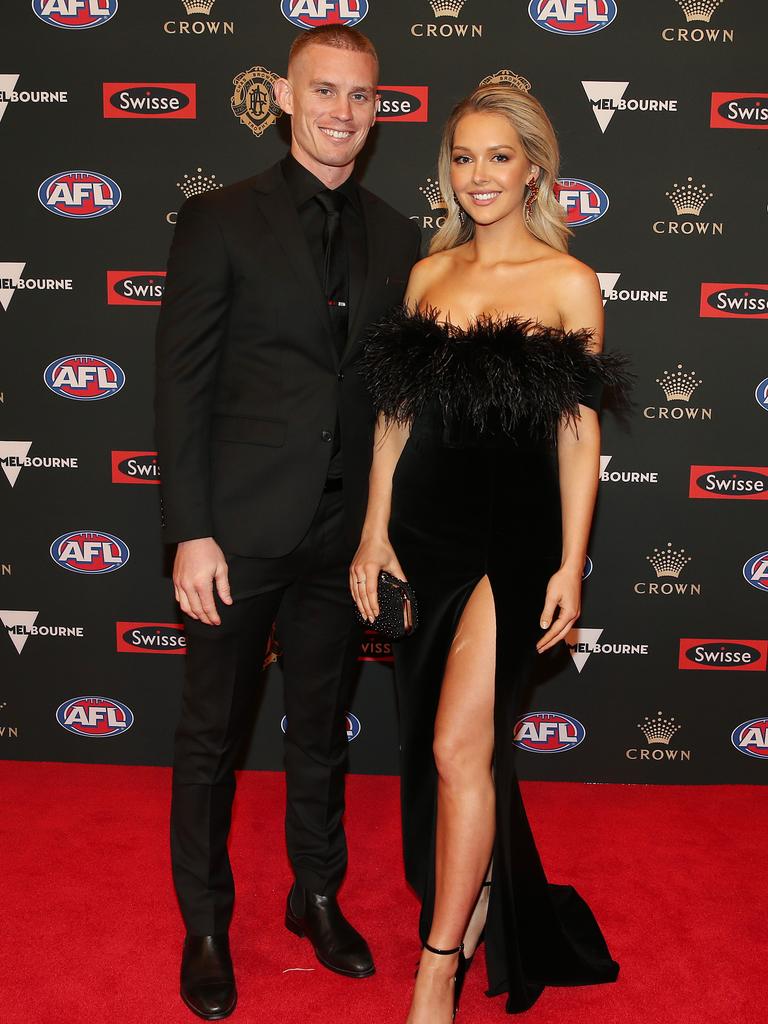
(507, 77)
(253, 100)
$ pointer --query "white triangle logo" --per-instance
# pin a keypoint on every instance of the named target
(586, 637)
(604, 460)
(13, 450)
(10, 275)
(600, 92)
(10, 619)
(608, 284)
(7, 85)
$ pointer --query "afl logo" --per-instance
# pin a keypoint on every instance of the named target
(86, 378)
(756, 571)
(548, 732)
(352, 725)
(95, 717)
(75, 14)
(572, 17)
(79, 195)
(588, 567)
(311, 13)
(89, 551)
(752, 737)
(583, 201)
(761, 394)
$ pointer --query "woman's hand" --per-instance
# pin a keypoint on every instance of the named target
(563, 592)
(373, 555)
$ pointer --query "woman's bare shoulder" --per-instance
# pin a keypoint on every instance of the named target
(427, 272)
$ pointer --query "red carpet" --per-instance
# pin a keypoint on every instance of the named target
(677, 877)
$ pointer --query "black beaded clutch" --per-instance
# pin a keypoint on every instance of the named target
(398, 612)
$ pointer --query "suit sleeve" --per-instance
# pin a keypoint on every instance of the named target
(190, 335)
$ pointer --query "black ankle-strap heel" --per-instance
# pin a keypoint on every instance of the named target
(461, 970)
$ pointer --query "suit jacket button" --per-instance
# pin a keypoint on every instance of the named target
(340, 378)
(327, 436)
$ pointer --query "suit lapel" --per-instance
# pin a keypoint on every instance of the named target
(361, 288)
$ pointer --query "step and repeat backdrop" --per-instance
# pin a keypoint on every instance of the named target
(112, 112)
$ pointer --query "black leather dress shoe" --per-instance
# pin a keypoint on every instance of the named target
(207, 976)
(337, 945)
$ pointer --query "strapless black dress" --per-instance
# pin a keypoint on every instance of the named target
(475, 493)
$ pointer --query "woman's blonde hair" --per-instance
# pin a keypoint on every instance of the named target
(529, 119)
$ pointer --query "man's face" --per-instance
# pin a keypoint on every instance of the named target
(331, 96)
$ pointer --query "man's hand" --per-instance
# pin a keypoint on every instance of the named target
(198, 563)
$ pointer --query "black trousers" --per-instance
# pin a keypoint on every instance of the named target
(307, 593)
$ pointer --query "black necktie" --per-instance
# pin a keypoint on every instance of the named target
(335, 266)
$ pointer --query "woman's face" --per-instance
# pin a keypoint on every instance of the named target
(489, 169)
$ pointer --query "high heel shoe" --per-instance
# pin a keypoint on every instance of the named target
(461, 970)
(467, 960)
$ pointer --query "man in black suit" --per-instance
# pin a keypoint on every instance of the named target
(264, 432)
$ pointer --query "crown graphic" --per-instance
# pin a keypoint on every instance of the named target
(659, 729)
(196, 184)
(447, 8)
(699, 10)
(679, 385)
(668, 562)
(689, 198)
(431, 192)
(198, 6)
(507, 77)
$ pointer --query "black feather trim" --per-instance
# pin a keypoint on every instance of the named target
(499, 371)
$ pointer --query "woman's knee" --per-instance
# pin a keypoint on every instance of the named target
(460, 760)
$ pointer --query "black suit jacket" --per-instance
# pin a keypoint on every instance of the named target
(249, 384)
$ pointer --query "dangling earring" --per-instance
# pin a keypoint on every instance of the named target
(530, 199)
(461, 209)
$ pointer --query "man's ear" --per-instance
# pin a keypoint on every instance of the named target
(284, 95)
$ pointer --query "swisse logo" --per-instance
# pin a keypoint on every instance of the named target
(723, 655)
(625, 476)
(548, 732)
(612, 293)
(159, 100)
(375, 647)
(402, 103)
(135, 287)
(84, 378)
(135, 468)
(583, 642)
(572, 17)
(756, 571)
(608, 97)
(739, 110)
(79, 195)
(308, 14)
(75, 14)
(14, 456)
(151, 638)
(11, 281)
(743, 301)
(89, 552)
(744, 483)
(20, 625)
(751, 737)
(94, 717)
(583, 201)
(351, 724)
(446, 25)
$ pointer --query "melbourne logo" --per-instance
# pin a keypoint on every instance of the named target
(198, 27)
(135, 468)
(688, 200)
(79, 195)
(697, 13)
(12, 280)
(761, 394)
(625, 476)
(90, 552)
(739, 110)
(20, 625)
(742, 301)
(402, 103)
(668, 564)
(446, 14)
(679, 386)
(151, 638)
(253, 100)
(659, 732)
(135, 287)
(751, 737)
(75, 14)
(159, 100)
(748, 483)
(723, 655)
(548, 732)
(95, 717)
(85, 378)
(9, 94)
(309, 14)
(608, 97)
(572, 17)
(14, 456)
(351, 724)
(582, 643)
(583, 201)
(756, 571)
(609, 286)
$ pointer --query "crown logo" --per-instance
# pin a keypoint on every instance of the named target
(668, 562)
(431, 192)
(447, 8)
(196, 184)
(689, 198)
(507, 77)
(699, 10)
(659, 729)
(679, 385)
(198, 6)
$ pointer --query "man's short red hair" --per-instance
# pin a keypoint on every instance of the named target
(340, 37)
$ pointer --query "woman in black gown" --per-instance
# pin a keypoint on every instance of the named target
(482, 490)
